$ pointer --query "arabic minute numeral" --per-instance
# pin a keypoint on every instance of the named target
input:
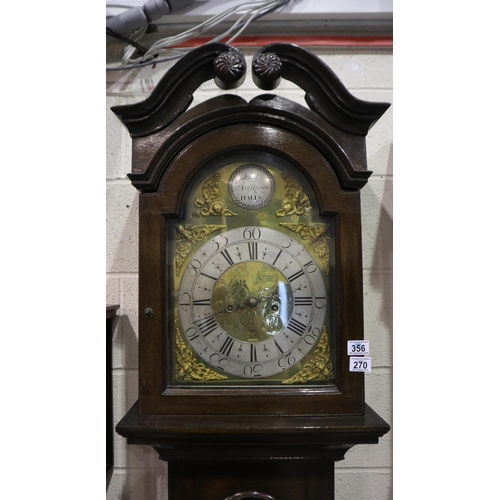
(318, 302)
(194, 267)
(287, 360)
(253, 233)
(311, 267)
(252, 370)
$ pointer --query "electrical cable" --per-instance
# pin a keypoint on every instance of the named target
(139, 47)
(258, 9)
(215, 20)
(118, 6)
(154, 51)
(264, 7)
(129, 50)
(209, 23)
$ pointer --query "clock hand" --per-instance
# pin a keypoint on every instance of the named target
(229, 309)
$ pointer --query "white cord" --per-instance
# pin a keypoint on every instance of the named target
(252, 9)
(129, 50)
(253, 13)
(119, 6)
(206, 25)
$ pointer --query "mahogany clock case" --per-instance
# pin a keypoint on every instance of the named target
(174, 147)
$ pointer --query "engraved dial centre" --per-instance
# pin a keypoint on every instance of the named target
(252, 301)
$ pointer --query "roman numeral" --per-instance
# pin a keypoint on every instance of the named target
(296, 327)
(277, 257)
(195, 339)
(227, 346)
(302, 301)
(252, 250)
(201, 302)
(206, 325)
(278, 346)
(226, 255)
(208, 276)
(293, 277)
(253, 353)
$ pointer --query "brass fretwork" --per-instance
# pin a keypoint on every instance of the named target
(296, 201)
(317, 235)
(209, 202)
(187, 367)
(186, 236)
(320, 368)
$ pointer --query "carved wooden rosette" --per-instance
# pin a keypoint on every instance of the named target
(170, 140)
(283, 437)
(325, 94)
(230, 69)
(267, 70)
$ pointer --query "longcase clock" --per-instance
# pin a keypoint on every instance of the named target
(250, 276)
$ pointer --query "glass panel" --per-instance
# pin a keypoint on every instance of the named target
(252, 271)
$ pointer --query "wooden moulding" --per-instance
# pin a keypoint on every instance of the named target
(172, 143)
(248, 438)
(157, 207)
(337, 119)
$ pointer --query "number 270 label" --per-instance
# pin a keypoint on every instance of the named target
(360, 364)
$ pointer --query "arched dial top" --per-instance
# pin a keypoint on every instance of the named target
(252, 302)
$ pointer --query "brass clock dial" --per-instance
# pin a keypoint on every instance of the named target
(252, 302)
(252, 280)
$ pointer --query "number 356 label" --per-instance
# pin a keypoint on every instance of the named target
(358, 347)
(360, 364)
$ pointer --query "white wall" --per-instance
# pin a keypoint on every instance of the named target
(366, 472)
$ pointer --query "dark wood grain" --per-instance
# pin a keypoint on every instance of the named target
(222, 442)
(173, 93)
(325, 93)
(345, 153)
(157, 207)
(229, 69)
(246, 437)
(110, 456)
(280, 480)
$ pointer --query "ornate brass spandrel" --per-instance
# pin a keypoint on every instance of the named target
(187, 367)
(187, 235)
(319, 368)
(296, 201)
(209, 203)
(317, 236)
